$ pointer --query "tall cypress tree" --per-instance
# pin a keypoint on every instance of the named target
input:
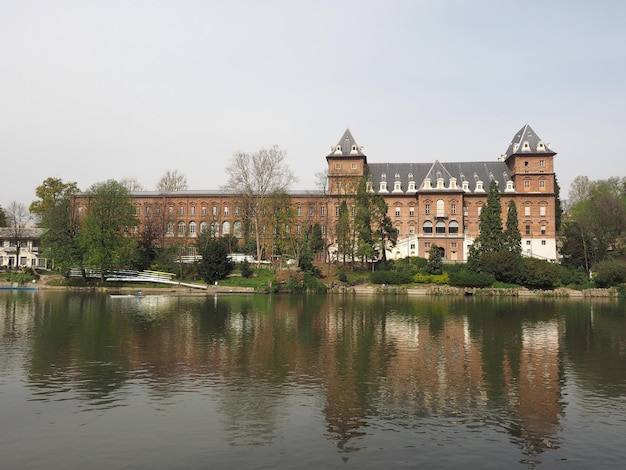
(512, 235)
(491, 238)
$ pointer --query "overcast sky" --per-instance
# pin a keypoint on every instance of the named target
(94, 90)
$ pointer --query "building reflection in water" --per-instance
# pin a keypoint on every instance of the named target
(375, 362)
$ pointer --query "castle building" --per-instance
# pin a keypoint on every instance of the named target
(428, 202)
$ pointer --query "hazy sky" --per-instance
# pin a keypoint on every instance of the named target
(94, 90)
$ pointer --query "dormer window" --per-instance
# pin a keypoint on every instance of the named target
(509, 186)
(465, 185)
(383, 187)
(410, 176)
(526, 146)
(369, 187)
(479, 186)
(383, 177)
(397, 177)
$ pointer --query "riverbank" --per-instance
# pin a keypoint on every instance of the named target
(50, 283)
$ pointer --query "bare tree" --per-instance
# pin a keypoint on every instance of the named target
(172, 180)
(256, 177)
(131, 184)
(18, 217)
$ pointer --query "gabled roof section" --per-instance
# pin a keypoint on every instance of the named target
(526, 142)
(346, 147)
(437, 170)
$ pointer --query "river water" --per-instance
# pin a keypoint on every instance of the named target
(98, 381)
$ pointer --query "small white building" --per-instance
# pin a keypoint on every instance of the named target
(22, 251)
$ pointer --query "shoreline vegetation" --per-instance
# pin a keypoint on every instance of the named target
(56, 282)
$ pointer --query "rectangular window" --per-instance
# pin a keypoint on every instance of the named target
(170, 210)
(322, 211)
(542, 163)
(527, 184)
(427, 209)
(543, 230)
(204, 211)
(214, 210)
(136, 210)
(526, 211)
(311, 211)
(354, 166)
(299, 211)
(336, 211)
(542, 184)
(427, 245)
(226, 211)
(453, 244)
(543, 242)
(412, 229)
(147, 210)
(542, 210)
(157, 210)
(323, 229)
(528, 230)
(299, 229)
(397, 212)
(411, 211)
(527, 242)
(193, 210)
(237, 211)
(465, 211)
(181, 210)
(453, 208)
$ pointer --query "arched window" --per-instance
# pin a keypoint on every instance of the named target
(237, 228)
(181, 228)
(192, 229)
(453, 227)
(440, 208)
(226, 228)
(440, 228)
(170, 228)
(428, 227)
(215, 228)
(203, 227)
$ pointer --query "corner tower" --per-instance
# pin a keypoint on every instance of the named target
(347, 164)
(531, 162)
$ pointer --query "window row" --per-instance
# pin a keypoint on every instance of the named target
(440, 228)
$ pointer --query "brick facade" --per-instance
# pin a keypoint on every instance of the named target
(429, 203)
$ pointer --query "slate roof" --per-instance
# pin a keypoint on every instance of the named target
(346, 147)
(526, 141)
(26, 233)
(462, 171)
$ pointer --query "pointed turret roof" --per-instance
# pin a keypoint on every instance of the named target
(526, 141)
(346, 147)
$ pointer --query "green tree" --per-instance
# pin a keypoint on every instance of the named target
(491, 238)
(214, 263)
(512, 235)
(365, 249)
(600, 213)
(109, 214)
(59, 216)
(435, 263)
(50, 192)
(385, 234)
(344, 238)
(3, 218)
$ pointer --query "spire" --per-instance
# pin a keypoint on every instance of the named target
(526, 141)
(346, 147)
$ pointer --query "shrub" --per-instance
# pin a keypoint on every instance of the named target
(464, 278)
(246, 270)
(539, 274)
(391, 277)
(341, 275)
(431, 278)
(610, 273)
